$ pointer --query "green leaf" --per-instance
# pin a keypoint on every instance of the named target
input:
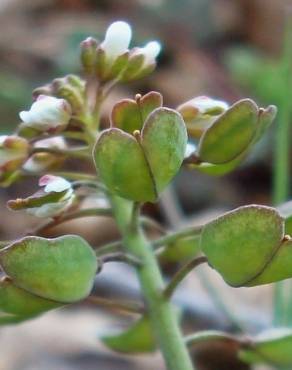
(136, 339)
(138, 168)
(129, 115)
(230, 134)
(241, 243)
(272, 347)
(17, 301)
(61, 269)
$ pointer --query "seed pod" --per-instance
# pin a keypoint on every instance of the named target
(228, 139)
(17, 301)
(272, 347)
(140, 166)
(248, 246)
(136, 339)
(60, 269)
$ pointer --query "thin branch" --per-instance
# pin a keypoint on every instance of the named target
(88, 212)
(88, 184)
(181, 274)
(171, 238)
(151, 223)
(124, 307)
(112, 247)
(66, 174)
(121, 257)
(74, 135)
(214, 335)
(78, 152)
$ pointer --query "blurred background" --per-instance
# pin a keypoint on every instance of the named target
(227, 49)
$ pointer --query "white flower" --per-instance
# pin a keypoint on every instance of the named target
(40, 162)
(150, 52)
(47, 114)
(117, 39)
(53, 185)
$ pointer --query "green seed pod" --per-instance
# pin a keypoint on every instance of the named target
(140, 166)
(7, 319)
(136, 339)
(228, 139)
(230, 134)
(248, 246)
(272, 347)
(60, 269)
(129, 115)
(17, 301)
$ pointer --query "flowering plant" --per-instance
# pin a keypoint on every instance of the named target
(136, 158)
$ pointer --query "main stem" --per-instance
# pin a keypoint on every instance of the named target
(162, 315)
(283, 293)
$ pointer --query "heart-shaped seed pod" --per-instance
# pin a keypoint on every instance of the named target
(136, 339)
(230, 137)
(17, 301)
(248, 246)
(140, 166)
(61, 269)
(272, 347)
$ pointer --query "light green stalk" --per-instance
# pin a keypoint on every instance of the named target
(283, 290)
(163, 317)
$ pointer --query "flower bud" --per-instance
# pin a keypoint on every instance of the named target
(150, 52)
(198, 113)
(56, 197)
(47, 114)
(142, 61)
(88, 54)
(40, 162)
(65, 89)
(13, 152)
(117, 40)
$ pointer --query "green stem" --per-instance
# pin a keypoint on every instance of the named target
(283, 296)
(162, 315)
(120, 257)
(213, 335)
(81, 153)
(127, 307)
(88, 212)
(78, 176)
(171, 238)
(75, 135)
(181, 274)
